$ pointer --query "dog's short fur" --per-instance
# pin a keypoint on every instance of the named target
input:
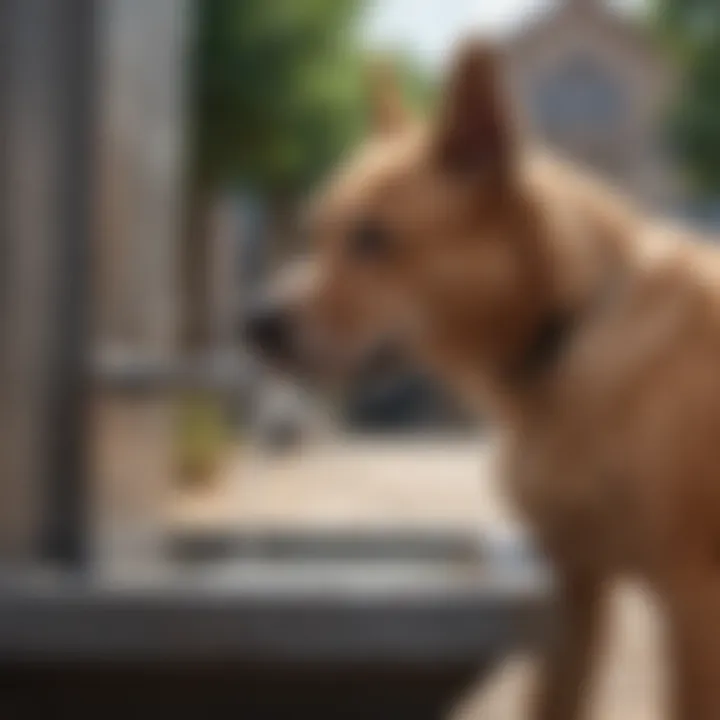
(590, 331)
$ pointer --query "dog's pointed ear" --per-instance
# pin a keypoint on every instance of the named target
(476, 134)
(388, 112)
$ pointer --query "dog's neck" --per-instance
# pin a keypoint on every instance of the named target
(526, 377)
(587, 272)
(583, 254)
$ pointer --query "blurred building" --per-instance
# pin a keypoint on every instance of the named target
(592, 84)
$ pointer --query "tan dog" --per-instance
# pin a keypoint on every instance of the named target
(590, 331)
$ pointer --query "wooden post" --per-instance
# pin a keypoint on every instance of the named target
(136, 288)
(46, 62)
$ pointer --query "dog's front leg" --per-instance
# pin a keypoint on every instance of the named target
(567, 665)
(694, 605)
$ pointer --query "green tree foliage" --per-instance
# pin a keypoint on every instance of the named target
(692, 31)
(276, 90)
(279, 90)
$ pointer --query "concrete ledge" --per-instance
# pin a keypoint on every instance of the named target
(303, 545)
(278, 612)
(278, 640)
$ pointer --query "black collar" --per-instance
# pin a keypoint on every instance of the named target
(544, 349)
(558, 329)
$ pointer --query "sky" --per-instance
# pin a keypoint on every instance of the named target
(427, 28)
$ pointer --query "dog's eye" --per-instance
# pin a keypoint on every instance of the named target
(369, 241)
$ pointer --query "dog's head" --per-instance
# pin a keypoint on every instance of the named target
(424, 238)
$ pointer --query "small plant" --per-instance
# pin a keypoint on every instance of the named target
(202, 439)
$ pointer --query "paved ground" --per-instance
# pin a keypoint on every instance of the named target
(436, 484)
(386, 484)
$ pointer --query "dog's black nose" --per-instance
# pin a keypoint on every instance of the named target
(267, 328)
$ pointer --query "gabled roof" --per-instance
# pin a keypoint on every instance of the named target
(628, 29)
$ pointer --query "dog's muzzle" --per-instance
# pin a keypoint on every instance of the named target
(268, 329)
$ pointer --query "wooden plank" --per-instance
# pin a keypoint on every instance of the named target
(136, 272)
(45, 57)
